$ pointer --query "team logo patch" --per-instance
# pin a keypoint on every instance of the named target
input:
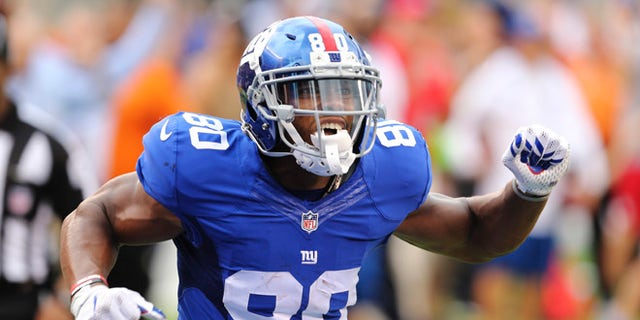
(309, 221)
(309, 256)
(334, 57)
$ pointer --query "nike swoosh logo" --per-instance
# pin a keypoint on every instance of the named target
(164, 135)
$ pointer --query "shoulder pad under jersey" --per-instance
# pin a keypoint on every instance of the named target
(398, 169)
(189, 156)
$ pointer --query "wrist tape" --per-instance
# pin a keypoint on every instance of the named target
(87, 281)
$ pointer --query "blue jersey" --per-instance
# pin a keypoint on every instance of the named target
(251, 249)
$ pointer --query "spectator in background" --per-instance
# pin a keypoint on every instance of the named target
(594, 40)
(620, 261)
(85, 50)
(618, 251)
(214, 42)
(150, 94)
(154, 89)
(43, 176)
(579, 39)
(82, 54)
(514, 77)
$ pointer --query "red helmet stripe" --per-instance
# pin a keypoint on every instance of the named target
(325, 33)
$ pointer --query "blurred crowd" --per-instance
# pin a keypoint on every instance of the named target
(466, 73)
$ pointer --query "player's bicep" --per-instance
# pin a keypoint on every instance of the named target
(136, 217)
(441, 224)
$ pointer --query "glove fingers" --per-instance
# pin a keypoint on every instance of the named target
(148, 310)
(515, 148)
(538, 158)
(555, 152)
(143, 308)
(129, 308)
(103, 303)
(116, 304)
(543, 149)
(517, 145)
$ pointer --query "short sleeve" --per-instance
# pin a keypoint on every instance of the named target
(156, 166)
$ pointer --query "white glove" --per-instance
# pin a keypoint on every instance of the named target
(99, 302)
(538, 158)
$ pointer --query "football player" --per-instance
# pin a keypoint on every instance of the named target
(273, 215)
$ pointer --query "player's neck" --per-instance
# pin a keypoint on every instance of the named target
(291, 176)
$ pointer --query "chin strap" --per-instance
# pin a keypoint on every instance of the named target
(338, 155)
(337, 150)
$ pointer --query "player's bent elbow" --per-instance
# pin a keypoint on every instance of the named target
(476, 255)
(87, 216)
(475, 258)
(489, 255)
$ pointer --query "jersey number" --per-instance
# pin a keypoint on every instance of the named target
(395, 136)
(206, 132)
(278, 295)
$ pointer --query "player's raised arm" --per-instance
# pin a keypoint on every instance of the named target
(479, 228)
(120, 212)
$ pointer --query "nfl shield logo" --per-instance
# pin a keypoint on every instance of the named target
(309, 222)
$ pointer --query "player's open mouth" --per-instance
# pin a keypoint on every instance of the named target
(330, 128)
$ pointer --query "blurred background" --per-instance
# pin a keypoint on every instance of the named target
(466, 73)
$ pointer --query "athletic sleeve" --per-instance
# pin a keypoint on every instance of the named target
(156, 166)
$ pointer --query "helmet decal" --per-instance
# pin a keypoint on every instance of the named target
(255, 48)
(325, 41)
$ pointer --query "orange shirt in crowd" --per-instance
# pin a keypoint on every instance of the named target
(602, 86)
(152, 93)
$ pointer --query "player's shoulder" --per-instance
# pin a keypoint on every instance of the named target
(398, 166)
(190, 137)
(193, 122)
(187, 152)
(197, 130)
(399, 149)
(395, 139)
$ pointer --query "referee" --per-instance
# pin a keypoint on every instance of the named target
(39, 185)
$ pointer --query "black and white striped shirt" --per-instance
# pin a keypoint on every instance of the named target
(42, 179)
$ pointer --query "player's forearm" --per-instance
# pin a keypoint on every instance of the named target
(501, 221)
(86, 245)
